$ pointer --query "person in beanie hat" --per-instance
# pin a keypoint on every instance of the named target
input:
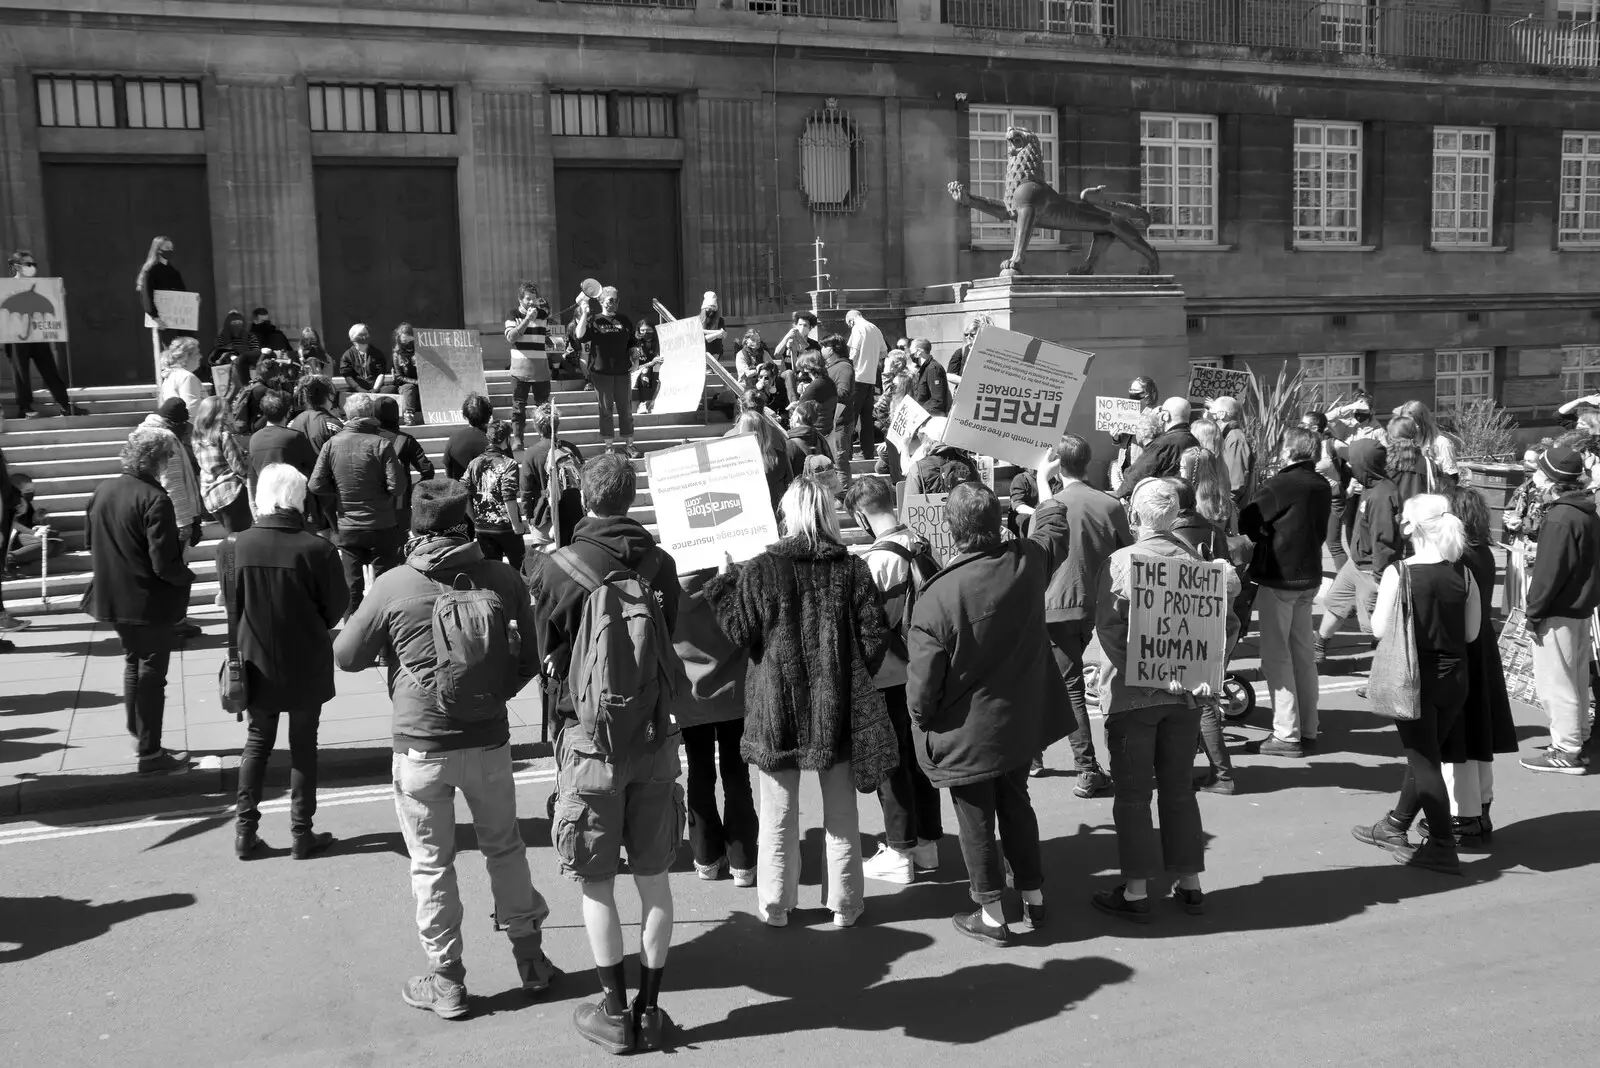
(437, 752)
(1563, 592)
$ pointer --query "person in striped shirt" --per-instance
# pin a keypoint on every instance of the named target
(527, 328)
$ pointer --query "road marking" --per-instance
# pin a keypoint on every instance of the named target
(19, 834)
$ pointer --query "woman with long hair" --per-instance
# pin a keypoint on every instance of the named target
(404, 347)
(1409, 466)
(179, 361)
(1439, 446)
(812, 619)
(224, 466)
(1446, 616)
(1202, 468)
(774, 446)
(314, 358)
(156, 274)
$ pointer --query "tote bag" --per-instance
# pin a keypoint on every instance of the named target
(1395, 689)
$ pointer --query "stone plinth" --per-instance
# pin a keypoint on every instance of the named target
(1134, 324)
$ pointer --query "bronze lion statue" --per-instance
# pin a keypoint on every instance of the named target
(1031, 203)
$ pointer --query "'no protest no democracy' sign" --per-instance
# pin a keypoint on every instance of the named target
(1117, 415)
(1015, 395)
(449, 366)
(1208, 382)
(1177, 621)
(711, 497)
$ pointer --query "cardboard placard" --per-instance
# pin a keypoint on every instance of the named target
(449, 366)
(683, 366)
(1516, 658)
(1208, 382)
(923, 514)
(985, 466)
(904, 421)
(1015, 395)
(178, 310)
(1117, 415)
(32, 309)
(1177, 621)
(711, 498)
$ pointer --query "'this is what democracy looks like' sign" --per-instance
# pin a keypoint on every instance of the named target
(1177, 621)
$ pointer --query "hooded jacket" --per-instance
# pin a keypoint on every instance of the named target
(358, 469)
(178, 477)
(804, 441)
(1376, 541)
(396, 618)
(1288, 521)
(1566, 570)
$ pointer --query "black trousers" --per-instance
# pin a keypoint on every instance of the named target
(910, 802)
(39, 354)
(146, 655)
(1068, 639)
(711, 747)
(979, 806)
(261, 737)
(504, 545)
(519, 402)
(357, 548)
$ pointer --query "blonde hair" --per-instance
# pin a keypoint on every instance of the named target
(150, 260)
(1208, 434)
(808, 514)
(281, 488)
(179, 353)
(1432, 523)
(210, 426)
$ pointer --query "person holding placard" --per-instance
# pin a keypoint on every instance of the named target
(39, 354)
(158, 274)
(1151, 731)
(1164, 454)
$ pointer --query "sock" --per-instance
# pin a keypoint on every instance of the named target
(649, 985)
(614, 984)
(1134, 890)
(1189, 882)
(1033, 897)
(993, 915)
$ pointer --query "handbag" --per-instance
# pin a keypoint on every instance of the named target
(233, 686)
(1395, 689)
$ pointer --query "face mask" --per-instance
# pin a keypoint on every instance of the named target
(1135, 396)
(27, 270)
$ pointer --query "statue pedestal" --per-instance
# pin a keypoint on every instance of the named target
(1134, 324)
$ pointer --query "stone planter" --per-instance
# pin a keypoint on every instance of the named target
(1495, 482)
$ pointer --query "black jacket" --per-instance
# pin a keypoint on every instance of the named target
(1162, 457)
(608, 338)
(357, 471)
(360, 372)
(268, 336)
(1375, 541)
(1288, 521)
(288, 592)
(466, 444)
(280, 445)
(139, 573)
(1566, 570)
(160, 276)
(930, 388)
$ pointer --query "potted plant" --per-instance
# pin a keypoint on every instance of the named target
(1269, 411)
(1488, 453)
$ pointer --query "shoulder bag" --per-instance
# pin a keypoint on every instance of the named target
(233, 686)
(1395, 689)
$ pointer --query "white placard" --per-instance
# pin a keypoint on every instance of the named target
(985, 466)
(1015, 396)
(32, 309)
(1117, 415)
(178, 310)
(905, 420)
(1177, 621)
(711, 497)
(923, 514)
(683, 365)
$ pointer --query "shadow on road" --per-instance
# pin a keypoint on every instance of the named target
(38, 704)
(40, 925)
(1270, 778)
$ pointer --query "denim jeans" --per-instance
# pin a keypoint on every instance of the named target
(425, 786)
(614, 394)
(1152, 753)
(520, 388)
(262, 735)
(146, 654)
(778, 859)
(1561, 656)
(1288, 660)
(731, 833)
(1335, 534)
(979, 805)
(1212, 740)
(910, 802)
(1068, 639)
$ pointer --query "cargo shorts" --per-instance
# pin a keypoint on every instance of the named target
(601, 808)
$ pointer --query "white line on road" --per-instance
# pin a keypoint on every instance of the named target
(356, 795)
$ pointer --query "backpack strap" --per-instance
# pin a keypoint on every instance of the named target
(894, 547)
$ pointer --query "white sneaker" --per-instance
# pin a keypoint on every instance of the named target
(710, 872)
(887, 865)
(847, 919)
(743, 877)
(9, 622)
(925, 857)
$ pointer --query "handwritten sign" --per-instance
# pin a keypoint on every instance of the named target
(904, 421)
(449, 367)
(711, 497)
(1015, 395)
(1177, 621)
(683, 366)
(32, 309)
(177, 309)
(923, 514)
(1208, 382)
(1516, 659)
(985, 466)
(1117, 415)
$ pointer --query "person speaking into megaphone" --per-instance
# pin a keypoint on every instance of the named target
(607, 333)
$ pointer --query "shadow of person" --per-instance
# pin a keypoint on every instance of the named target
(40, 925)
(35, 704)
(17, 744)
(1364, 778)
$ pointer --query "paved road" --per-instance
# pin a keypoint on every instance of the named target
(133, 938)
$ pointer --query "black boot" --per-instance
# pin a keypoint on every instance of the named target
(649, 1022)
(245, 842)
(607, 1023)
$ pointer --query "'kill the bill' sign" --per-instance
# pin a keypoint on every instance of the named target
(1015, 396)
(32, 309)
(449, 368)
(1177, 621)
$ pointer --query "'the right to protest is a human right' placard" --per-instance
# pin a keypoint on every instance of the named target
(1177, 621)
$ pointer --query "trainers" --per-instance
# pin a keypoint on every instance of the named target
(1557, 760)
(648, 1027)
(848, 919)
(713, 871)
(1037, 768)
(1434, 854)
(632, 451)
(1092, 782)
(1191, 901)
(1214, 784)
(889, 865)
(973, 925)
(10, 623)
(163, 761)
(612, 1033)
(1275, 746)
(925, 857)
(743, 877)
(436, 993)
(776, 919)
(1115, 903)
(185, 631)
(310, 844)
(537, 973)
(1384, 835)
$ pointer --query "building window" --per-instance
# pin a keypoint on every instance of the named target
(1463, 185)
(1091, 17)
(987, 153)
(1348, 27)
(382, 109)
(1327, 183)
(1461, 376)
(832, 175)
(1330, 377)
(111, 103)
(1580, 188)
(1178, 161)
(596, 114)
(1580, 371)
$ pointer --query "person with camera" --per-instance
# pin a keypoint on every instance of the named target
(608, 334)
(527, 331)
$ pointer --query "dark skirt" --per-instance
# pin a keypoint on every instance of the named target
(1484, 727)
(1444, 695)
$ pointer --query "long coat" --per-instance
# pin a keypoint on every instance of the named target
(1485, 726)
(137, 551)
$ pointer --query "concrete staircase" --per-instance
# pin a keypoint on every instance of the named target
(68, 456)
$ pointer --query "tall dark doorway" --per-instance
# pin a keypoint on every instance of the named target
(101, 214)
(620, 227)
(389, 248)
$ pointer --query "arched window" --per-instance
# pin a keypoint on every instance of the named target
(832, 161)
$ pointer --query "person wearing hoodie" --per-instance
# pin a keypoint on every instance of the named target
(1375, 542)
(359, 478)
(1563, 593)
(805, 440)
(408, 451)
(265, 333)
(436, 754)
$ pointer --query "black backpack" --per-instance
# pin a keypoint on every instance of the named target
(919, 555)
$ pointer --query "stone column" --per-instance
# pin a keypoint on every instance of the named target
(514, 193)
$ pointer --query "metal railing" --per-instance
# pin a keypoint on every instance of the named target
(1372, 29)
(681, 5)
(860, 10)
